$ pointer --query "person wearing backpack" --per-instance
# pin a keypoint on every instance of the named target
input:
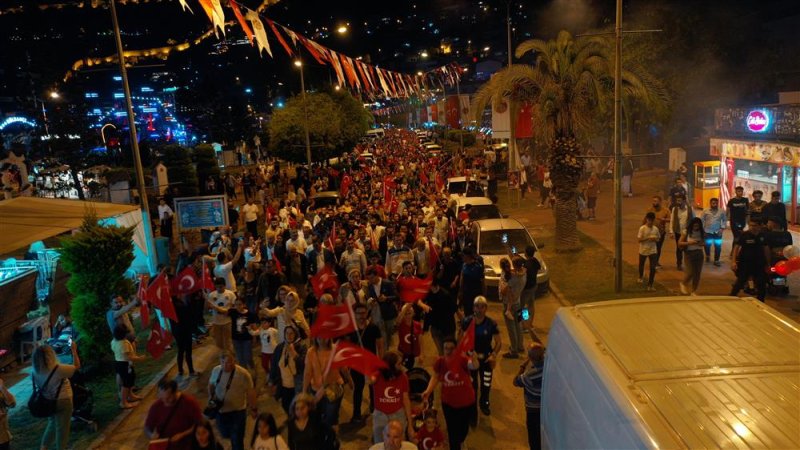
(52, 394)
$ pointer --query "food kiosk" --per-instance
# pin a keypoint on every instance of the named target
(706, 182)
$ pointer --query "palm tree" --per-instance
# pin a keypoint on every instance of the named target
(570, 84)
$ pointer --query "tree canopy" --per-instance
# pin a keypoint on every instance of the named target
(336, 121)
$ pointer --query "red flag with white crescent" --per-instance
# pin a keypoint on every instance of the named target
(158, 341)
(355, 357)
(346, 182)
(333, 321)
(324, 281)
(208, 282)
(159, 294)
(466, 343)
(186, 282)
(411, 289)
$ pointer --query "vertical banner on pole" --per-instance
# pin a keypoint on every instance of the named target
(441, 106)
(524, 129)
(466, 113)
(501, 120)
(433, 113)
(453, 112)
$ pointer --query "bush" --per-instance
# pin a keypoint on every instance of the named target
(180, 169)
(96, 259)
(207, 166)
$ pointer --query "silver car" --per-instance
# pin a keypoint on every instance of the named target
(494, 238)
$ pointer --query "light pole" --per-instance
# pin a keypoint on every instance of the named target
(299, 64)
(137, 160)
(618, 150)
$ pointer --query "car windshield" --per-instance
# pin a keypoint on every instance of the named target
(494, 242)
(460, 187)
(478, 212)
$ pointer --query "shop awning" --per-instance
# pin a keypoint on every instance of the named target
(24, 220)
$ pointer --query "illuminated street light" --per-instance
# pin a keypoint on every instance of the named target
(419, 74)
(486, 49)
(298, 63)
(424, 54)
(342, 29)
(336, 88)
(54, 95)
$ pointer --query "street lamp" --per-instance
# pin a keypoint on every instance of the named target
(342, 29)
(299, 64)
(54, 95)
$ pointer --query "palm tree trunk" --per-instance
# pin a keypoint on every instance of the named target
(565, 212)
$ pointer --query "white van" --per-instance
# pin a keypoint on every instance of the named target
(376, 133)
(672, 373)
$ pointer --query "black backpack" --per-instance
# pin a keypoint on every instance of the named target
(39, 405)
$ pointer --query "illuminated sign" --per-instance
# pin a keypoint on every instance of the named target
(16, 119)
(757, 121)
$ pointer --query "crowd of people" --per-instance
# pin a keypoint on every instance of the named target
(390, 228)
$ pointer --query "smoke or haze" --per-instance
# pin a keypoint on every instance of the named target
(575, 16)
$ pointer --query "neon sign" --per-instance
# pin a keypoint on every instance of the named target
(16, 119)
(757, 121)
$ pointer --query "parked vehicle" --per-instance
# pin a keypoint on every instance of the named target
(480, 207)
(671, 373)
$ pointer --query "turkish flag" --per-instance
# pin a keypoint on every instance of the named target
(423, 177)
(144, 309)
(467, 342)
(411, 289)
(439, 182)
(524, 128)
(186, 282)
(159, 294)
(208, 282)
(323, 281)
(346, 182)
(159, 340)
(453, 112)
(355, 357)
(333, 321)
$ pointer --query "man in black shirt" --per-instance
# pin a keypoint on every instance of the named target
(775, 209)
(677, 190)
(441, 318)
(532, 267)
(487, 347)
(751, 259)
(367, 335)
(737, 214)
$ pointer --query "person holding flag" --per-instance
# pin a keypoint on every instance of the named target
(458, 397)
(368, 336)
(324, 382)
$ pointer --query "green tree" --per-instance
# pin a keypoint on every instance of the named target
(335, 124)
(180, 169)
(96, 258)
(570, 83)
(206, 160)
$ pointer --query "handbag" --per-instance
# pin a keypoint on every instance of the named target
(211, 411)
(39, 405)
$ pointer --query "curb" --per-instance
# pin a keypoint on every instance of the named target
(559, 295)
(145, 391)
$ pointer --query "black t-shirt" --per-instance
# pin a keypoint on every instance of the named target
(443, 309)
(240, 323)
(751, 251)
(738, 208)
(779, 239)
(484, 332)
(532, 267)
(448, 271)
(369, 337)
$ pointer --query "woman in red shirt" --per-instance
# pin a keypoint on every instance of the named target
(458, 397)
(409, 333)
(390, 388)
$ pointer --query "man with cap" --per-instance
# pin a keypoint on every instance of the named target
(487, 347)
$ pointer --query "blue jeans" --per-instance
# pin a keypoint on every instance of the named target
(231, 426)
(716, 239)
(244, 353)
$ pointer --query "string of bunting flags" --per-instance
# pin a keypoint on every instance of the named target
(353, 73)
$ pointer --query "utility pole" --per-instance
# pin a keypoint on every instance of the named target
(460, 123)
(299, 64)
(137, 160)
(508, 29)
(618, 150)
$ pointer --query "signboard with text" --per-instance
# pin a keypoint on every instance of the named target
(201, 212)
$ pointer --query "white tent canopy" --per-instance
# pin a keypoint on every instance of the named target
(25, 220)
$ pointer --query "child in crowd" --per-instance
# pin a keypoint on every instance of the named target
(430, 436)
(124, 356)
(266, 436)
(268, 335)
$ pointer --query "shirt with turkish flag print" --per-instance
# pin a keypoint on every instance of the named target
(429, 440)
(389, 393)
(409, 343)
(453, 374)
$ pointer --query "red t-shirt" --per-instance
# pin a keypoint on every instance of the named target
(456, 383)
(187, 415)
(389, 393)
(408, 344)
(428, 440)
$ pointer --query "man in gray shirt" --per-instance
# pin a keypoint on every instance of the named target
(232, 384)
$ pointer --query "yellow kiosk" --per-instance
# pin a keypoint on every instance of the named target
(706, 182)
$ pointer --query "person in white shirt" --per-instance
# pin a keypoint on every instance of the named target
(221, 323)
(297, 241)
(393, 438)
(288, 315)
(224, 265)
(165, 219)
(267, 436)
(268, 335)
(353, 258)
(441, 226)
(250, 212)
(648, 236)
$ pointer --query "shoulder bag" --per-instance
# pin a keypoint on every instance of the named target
(214, 404)
(39, 405)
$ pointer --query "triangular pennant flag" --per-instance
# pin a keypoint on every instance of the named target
(208, 8)
(307, 43)
(384, 86)
(185, 6)
(238, 13)
(292, 35)
(337, 67)
(259, 32)
(218, 16)
(352, 78)
(364, 80)
(280, 38)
